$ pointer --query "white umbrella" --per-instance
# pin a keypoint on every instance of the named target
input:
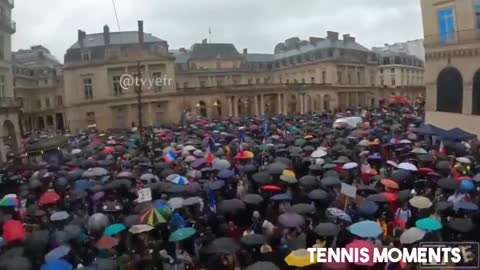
(190, 159)
(364, 143)
(392, 163)
(221, 164)
(76, 151)
(140, 228)
(175, 203)
(171, 177)
(405, 142)
(189, 148)
(463, 160)
(168, 149)
(407, 166)
(350, 165)
(420, 202)
(419, 151)
(319, 153)
(412, 235)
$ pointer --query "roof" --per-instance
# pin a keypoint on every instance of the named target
(259, 57)
(116, 38)
(212, 50)
(35, 57)
(323, 44)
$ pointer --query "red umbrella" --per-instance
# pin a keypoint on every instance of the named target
(357, 244)
(49, 197)
(270, 188)
(106, 242)
(13, 230)
(390, 196)
(425, 170)
(371, 172)
(389, 183)
(109, 150)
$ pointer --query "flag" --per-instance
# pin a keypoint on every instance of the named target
(265, 128)
(241, 140)
(442, 149)
(210, 148)
(212, 204)
(170, 157)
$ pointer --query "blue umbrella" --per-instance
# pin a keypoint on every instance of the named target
(59, 216)
(465, 205)
(57, 253)
(225, 174)
(467, 185)
(57, 265)
(281, 197)
(368, 208)
(366, 228)
(375, 155)
(428, 224)
(114, 229)
(180, 180)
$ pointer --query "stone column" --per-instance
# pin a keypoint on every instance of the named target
(255, 103)
(279, 103)
(285, 104)
(54, 122)
(302, 103)
(235, 106)
(230, 106)
(262, 105)
(3, 151)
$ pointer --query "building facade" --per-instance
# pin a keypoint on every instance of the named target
(9, 107)
(38, 84)
(215, 80)
(452, 68)
(411, 47)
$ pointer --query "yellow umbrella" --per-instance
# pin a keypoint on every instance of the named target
(288, 173)
(299, 258)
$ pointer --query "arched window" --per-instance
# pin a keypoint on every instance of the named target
(476, 93)
(449, 91)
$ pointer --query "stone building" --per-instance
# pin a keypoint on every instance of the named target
(452, 68)
(9, 107)
(38, 84)
(215, 80)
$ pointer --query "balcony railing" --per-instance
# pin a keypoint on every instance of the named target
(8, 24)
(10, 102)
(453, 38)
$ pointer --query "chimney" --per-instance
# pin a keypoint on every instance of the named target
(140, 32)
(204, 41)
(345, 37)
(106, 35)
(245, 51)
(183, 50)
(81, 37)
(332, 35)
(315, 40)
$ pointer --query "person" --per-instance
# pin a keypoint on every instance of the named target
(402, 215)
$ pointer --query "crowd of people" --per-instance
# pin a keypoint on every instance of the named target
(248, 193)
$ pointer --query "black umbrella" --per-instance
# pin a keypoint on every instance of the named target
(462, 225)
(443, 165)
(330, 181)
(308, 181)
(317, 194)
(249, 168)
(112, 207)
(291, 220)
(231, 206)
(222, 245)
(448, 183)
(215, 185)
(252, 199)
(253, 239)
(302, 208)
(404, 195)
(15, 263)
(262, 178)
(276, 168)
(443, 205)
(327, 229)
(377, 198)
(332, 173)
(367, 208)
(37, 241)
(366, 188)
(262, 266)
(286, 161)
(131, 220)
(400, 175)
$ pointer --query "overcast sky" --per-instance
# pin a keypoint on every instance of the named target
(253, 24)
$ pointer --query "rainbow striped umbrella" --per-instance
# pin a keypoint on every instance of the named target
(9, 200)
(152, 217)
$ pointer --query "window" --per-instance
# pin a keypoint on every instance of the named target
(157, 81)
(2, 49)
(359, 77)
(86, 55)
(381, 70)
(47, 102)
(2, 86)
(219, 83)
(295, 81)
(88, 88)
(446, 24)
(477, 12)
(324, 76)
(59, 100)
(185, 85)
(312, 80)
(392, 70)
(339, 77)
(91, 118)
(393, 80)
(38, 104)
(203, 84)
(117, 89)
(219, 64)
(249, 81)
(349, 78)
(257, 81)
(303, 80)
(382, 82)
(288, 81)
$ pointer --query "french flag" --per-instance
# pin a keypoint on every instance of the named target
(210, 148)
(241, 140)
(170, 157)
